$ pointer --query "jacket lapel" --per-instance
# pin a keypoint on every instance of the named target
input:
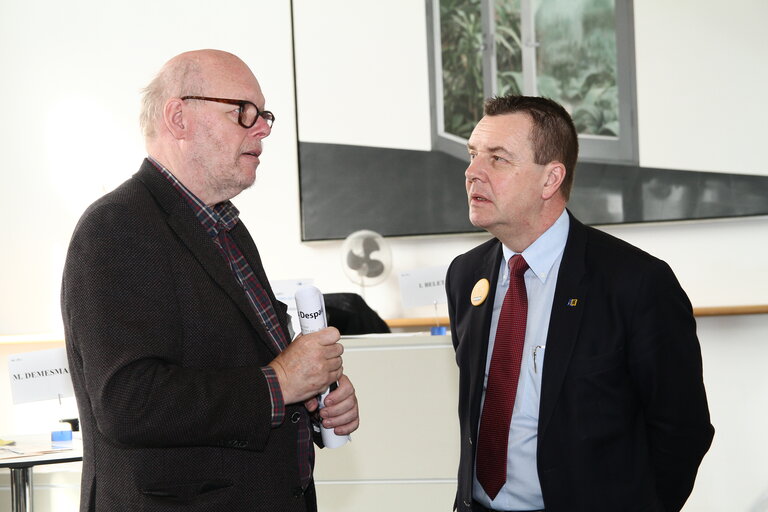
(183, 222)
(480, 322)
(568, 304)
(248, 247)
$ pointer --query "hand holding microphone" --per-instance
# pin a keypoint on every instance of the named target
(311, 311)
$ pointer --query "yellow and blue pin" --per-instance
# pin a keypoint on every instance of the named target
(480, 292)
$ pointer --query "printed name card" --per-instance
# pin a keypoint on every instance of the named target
(41, 375)
(423, 286)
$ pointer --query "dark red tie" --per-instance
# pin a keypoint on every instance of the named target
(502, 382)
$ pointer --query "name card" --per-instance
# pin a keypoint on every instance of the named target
(41, 375)
(423, 287)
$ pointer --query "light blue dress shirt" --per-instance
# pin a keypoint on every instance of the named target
(522, 490)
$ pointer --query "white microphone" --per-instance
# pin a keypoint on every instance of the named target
(311, 311)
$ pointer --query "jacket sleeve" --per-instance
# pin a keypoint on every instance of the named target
(666, 368)
(127, 333)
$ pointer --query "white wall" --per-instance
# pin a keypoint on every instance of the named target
(700, 70)
(733, 475)
(71, 90)
(71, 73)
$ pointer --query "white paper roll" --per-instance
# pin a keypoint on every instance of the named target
(311, 310)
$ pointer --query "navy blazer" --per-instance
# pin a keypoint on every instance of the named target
(165, 354)
(623, 416)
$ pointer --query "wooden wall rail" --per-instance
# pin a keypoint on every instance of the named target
(758, 309)
(403, 323)
(410, 323)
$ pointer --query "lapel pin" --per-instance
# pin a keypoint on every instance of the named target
(480, 292)
(572, 303)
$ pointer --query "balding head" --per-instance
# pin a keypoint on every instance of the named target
(192, 118)
(184, 75)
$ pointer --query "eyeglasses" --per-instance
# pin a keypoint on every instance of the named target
(248, 113)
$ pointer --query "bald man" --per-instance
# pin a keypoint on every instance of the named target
(191, 393)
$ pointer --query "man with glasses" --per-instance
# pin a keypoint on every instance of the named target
(191, 393)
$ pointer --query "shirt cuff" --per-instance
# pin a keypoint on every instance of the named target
(276, 395)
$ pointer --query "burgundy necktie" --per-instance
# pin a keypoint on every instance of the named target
(502, 382)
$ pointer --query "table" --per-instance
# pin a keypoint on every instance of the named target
(21, 466)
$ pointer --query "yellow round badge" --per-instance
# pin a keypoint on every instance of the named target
(480, 292)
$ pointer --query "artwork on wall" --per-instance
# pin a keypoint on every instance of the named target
(580, 53)
(349, 182)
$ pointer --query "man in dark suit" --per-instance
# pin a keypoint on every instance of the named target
(580, 370)
(191, 393)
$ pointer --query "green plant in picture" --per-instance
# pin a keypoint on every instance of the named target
(509, 53)
(577, 61)
(461, 37)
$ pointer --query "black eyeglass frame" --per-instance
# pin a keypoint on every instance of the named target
(268, 116)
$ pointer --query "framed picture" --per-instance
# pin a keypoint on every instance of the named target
(388, 92)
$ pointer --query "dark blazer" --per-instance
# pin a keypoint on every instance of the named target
(165, 355)
(623, 417)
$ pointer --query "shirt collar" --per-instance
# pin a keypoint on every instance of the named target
(223, 215)
(545, 250)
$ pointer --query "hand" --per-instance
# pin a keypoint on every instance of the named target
(309, 365)
(340, 411)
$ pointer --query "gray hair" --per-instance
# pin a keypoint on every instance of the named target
(179, 77)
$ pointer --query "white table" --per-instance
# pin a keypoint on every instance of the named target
(22, 464)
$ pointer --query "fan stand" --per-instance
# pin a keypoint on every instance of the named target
(361, 272)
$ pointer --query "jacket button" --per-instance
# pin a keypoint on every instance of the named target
(470, 440)
(298, 491)
(467, 504)
(295, 417)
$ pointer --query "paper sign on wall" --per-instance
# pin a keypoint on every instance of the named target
(423, 286)
(41, 375)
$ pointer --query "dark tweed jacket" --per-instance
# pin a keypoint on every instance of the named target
(623, 415)
(165, 355)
